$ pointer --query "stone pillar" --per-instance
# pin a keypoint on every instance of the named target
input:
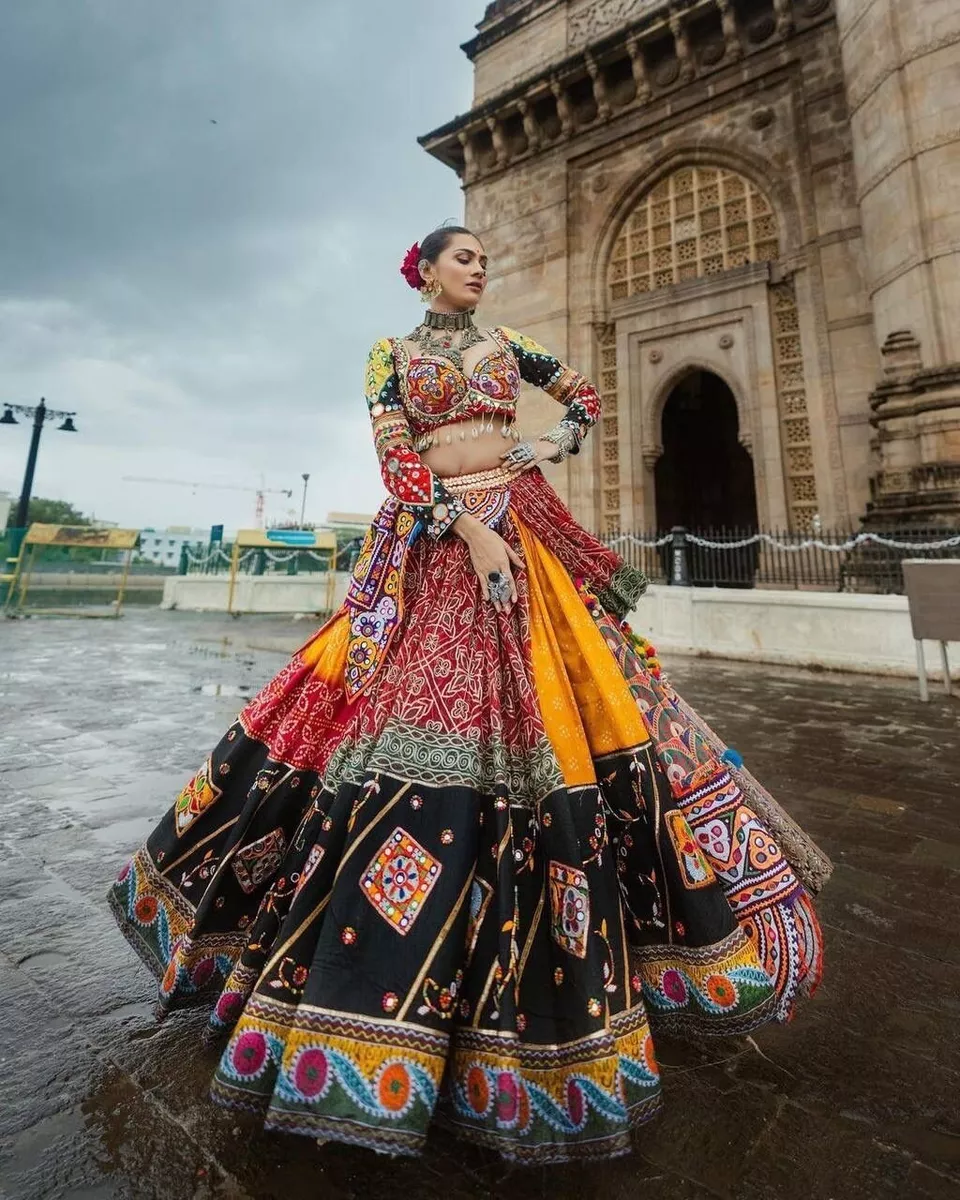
(530, 127)
(599, 88)
(901, 59)
(639, 67)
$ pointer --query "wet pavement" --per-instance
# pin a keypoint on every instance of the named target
(101, 722)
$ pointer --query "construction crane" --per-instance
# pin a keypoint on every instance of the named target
(223, 487)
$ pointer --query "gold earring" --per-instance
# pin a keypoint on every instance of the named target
(430, 291)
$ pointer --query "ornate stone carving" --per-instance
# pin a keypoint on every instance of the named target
(761, 29)
(667, 73)
(712, 53)
(726, 341)
(604, 15)
(651, 455)
(655, 356)
(761, 118)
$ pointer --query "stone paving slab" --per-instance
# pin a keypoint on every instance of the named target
(101, 723)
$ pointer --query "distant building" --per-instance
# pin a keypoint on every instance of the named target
(163, 546)
(346, 519)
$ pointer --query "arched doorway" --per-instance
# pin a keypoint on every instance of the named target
(704, 478)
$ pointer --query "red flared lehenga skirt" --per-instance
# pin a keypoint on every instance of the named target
(454, 866)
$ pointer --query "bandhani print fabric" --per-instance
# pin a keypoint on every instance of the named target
(455, 867)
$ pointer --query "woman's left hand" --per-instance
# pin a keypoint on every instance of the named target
(542, 452)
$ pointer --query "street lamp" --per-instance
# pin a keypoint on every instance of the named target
(39, 414)
(303, 507)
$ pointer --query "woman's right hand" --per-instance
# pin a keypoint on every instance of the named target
(488, 553)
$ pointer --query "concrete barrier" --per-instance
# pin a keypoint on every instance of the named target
(255, 593)
(837, 631)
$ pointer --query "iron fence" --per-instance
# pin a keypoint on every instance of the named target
(838, 560)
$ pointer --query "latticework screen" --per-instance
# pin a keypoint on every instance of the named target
(698, 221)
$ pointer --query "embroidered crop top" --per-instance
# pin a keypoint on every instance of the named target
(409, 396)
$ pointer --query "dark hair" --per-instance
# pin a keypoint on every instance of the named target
(434, 244)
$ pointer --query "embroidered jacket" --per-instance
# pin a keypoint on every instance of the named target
(411, 395)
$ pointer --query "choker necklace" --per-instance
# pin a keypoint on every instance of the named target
(434, 336)
(452, 321)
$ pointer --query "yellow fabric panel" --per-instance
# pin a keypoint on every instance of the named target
(327, 653)
(577, 667)
(555, 696)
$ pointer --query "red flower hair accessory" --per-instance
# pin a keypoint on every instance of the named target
(410, 267)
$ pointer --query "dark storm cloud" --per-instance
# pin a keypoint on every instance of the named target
(202, 207)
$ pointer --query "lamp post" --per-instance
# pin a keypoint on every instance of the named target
(40, 414)
(303, 507)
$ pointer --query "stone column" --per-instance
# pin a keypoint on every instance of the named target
(901, 59)
(599, 88)
(639, 67)
(530, 126)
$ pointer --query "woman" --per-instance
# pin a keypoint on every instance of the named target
(468, 846)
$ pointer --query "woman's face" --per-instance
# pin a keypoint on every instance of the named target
(462, 271)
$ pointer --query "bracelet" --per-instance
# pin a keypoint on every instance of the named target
(564, 437)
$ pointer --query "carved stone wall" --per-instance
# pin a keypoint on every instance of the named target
(685, 167)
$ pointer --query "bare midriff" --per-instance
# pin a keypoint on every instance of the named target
(470, 454)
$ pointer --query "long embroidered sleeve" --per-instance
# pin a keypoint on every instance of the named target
(567, 386)
(404, 473)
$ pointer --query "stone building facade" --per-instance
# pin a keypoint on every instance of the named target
(742, 218)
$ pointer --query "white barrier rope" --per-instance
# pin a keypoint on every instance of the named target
(284, 556)
(629, 539)
(834, 547)
(791, 547)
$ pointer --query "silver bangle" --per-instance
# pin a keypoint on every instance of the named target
(564, 438)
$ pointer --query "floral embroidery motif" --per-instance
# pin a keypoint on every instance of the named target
(195, 799)
(694, 868)
(399, 880)
(569, 908)
(256, 863)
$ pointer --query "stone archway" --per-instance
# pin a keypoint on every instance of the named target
(704, 479)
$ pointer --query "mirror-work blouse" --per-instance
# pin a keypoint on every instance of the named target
(409, 396)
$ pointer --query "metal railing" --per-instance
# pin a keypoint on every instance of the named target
(838, 560)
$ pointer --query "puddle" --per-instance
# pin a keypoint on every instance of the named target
(45, 958)
(128, 832)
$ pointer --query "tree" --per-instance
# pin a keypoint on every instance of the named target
(54, 512)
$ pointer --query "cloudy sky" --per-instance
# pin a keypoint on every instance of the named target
(203, 206)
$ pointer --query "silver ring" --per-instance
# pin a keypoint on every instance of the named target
(521, 454)
(498, 588)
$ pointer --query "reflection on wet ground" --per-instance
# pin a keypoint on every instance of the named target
(103, 721)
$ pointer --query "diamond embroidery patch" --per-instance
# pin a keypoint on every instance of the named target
(399, 880)
(569, 909)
